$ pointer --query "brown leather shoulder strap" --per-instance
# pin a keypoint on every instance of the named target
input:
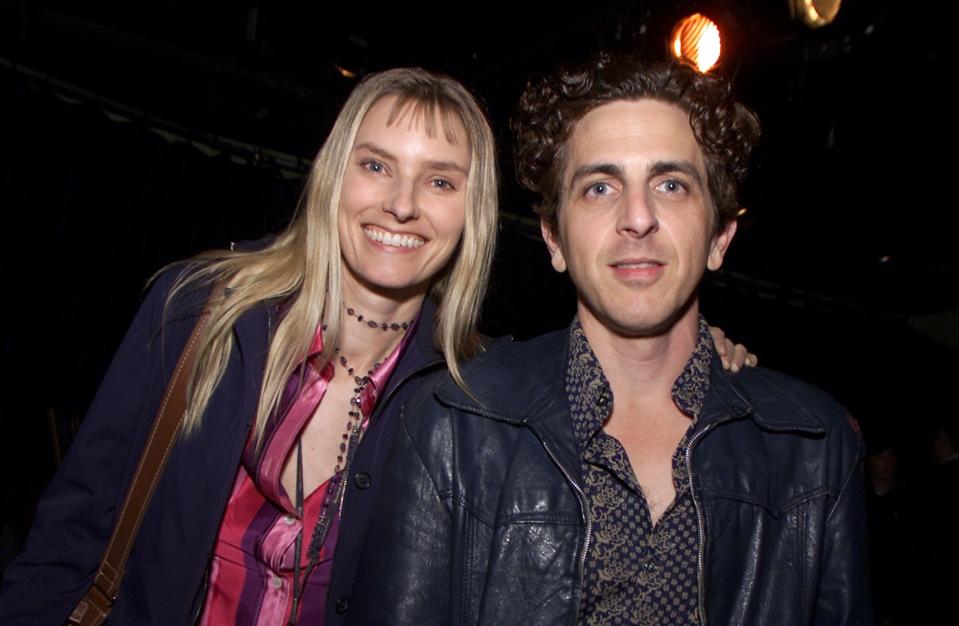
(95, 606)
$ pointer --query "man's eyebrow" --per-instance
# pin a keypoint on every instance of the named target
(686, 167)
(589, 169)
(388, 156)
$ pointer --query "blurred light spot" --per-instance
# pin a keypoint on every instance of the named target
(815, 13)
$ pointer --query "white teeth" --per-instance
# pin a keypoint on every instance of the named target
(393, 239)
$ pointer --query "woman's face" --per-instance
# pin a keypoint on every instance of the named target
(403, 202)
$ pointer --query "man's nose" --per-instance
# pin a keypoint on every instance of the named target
(637, 215)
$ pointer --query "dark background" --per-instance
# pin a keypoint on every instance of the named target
(135, 134)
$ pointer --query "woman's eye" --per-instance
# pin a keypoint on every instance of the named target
(374, 166)
(442, 183)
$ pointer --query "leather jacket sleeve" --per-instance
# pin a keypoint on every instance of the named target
(843, 595)
(405, 574)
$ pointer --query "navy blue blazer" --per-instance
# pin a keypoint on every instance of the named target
(166, 571)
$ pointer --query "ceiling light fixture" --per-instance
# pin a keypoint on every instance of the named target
(695, 40)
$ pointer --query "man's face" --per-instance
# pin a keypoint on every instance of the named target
(635, 225)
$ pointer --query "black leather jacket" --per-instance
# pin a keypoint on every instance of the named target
(483, 518)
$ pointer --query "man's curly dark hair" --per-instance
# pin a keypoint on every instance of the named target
(550, 107)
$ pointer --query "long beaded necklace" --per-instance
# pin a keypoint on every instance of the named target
(351, 439)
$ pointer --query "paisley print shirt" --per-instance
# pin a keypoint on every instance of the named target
(636, 572)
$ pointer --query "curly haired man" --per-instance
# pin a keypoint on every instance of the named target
(612, 473)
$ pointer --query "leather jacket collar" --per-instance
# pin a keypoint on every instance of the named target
(538, 394)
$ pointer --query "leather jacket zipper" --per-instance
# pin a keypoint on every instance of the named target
(581, 561)
(700, 525)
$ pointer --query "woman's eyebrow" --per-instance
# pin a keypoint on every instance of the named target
(388, 156)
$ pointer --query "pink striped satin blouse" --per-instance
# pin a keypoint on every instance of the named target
(251, 572)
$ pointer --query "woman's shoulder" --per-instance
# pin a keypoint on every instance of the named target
(185, 286)
(177, 291)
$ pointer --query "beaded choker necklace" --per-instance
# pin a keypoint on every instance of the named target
(370, 323)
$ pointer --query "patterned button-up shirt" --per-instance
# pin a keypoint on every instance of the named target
(636, 572)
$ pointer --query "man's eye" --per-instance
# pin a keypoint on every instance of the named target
(442, 183)
(598, 189)
(672, 186)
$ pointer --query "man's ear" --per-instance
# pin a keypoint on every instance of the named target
(552, 244)
(720, 244)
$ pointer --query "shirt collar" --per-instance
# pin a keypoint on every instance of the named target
(689, 390)
(381, 375)
(588, 390)
(591, 398)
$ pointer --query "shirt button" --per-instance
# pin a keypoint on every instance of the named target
(276, 581)
(362, 480)
(342, 605)
(289, 520)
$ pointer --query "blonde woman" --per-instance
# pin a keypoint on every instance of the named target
(282, 451)
(315, 339)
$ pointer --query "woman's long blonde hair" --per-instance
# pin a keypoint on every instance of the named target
(302, 266)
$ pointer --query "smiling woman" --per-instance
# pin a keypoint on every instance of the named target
(315, 339)
(403, 204)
